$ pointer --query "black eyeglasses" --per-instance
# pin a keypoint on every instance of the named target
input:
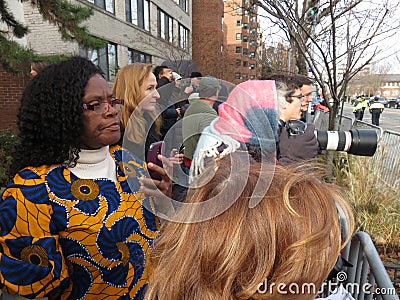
(103, 106)
(298, 96)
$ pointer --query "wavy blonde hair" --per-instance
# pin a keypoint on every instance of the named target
(292, 236)
(128, 85)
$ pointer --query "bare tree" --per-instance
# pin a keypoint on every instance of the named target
(274, 60)
(335, 38)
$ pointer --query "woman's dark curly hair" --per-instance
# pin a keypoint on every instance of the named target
(50, 115)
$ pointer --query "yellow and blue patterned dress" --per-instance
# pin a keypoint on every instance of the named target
(64, 237)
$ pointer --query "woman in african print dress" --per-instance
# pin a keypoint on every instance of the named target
(74, 221)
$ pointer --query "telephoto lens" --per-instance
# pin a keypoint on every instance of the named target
(361, 142)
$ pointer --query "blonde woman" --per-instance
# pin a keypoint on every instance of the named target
(136, 85)
(292, 237)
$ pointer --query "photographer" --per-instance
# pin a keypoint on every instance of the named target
(297, 140)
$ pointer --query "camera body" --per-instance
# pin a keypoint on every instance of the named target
(361, 142)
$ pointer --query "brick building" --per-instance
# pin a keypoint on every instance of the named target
(11, 87)
(208, 37)
(241, 39)
(383, 85)
(226, 39)
(136, 30)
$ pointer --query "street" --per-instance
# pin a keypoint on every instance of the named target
(390, 118)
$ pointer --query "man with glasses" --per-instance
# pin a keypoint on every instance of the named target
(296, 140)
(305, 84)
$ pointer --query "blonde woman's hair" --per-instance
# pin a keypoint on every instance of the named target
(128, 85)
(292, 236)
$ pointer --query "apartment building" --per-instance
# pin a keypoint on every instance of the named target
(150, 31)
(226, 38)
(241, 39)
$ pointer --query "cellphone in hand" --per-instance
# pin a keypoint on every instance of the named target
(152, 156)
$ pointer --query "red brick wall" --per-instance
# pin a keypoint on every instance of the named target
(11, 87)
(208, 37)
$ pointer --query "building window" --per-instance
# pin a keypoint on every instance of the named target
(183, 4)
(245, 38)
(137, 56)
(238, 63)
(237, 76)
(245, 51)
(105, 58)
(244, 76)
(107, 5)
(238, 23)
(252, 55)
(238, 36)
(183, 37)
(245, 63)
(245, 25)
(164, 24)
(252, 77)
(252, 66)
(253, 43)
(253, 31)
(138, 13)
(253, 19)
(246, 12)
(239, 10)
(238, 49)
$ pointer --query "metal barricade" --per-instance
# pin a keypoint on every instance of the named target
(364, 125)
(368, 278)
(321, 121)
(389, 159)
(344, 123)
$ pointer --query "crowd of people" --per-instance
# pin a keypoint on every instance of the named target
(82, 219)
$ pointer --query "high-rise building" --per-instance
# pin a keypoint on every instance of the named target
(241, 39)
(226, 38)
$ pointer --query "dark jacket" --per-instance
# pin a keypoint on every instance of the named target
(141, 150)
(168, 111)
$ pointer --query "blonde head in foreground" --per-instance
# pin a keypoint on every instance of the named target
(292, 236)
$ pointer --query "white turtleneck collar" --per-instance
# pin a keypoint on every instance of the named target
(95, 164)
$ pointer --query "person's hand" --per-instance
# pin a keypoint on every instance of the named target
(178, 111)
(157, 188)
(176, 158)
(189, 89)
(160, 190)
(299, 148)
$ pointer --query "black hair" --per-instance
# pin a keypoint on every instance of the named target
(50, 115)
(158, 70)
(195, 74)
